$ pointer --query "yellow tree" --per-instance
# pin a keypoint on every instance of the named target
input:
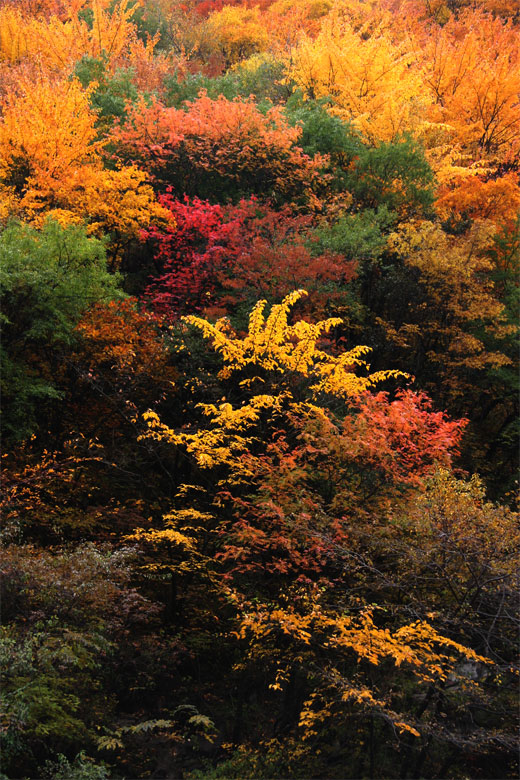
(59, 40)
(51, 164)
(456, 322)
(235, 32)
(372, 79)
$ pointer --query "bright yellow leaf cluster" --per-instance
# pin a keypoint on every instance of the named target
(430, 656)
(286, 351)
(369, 77)
(274, 345)
(60, 41)
(222, 444)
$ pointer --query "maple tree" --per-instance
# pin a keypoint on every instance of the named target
(205, 258)
(224, 148)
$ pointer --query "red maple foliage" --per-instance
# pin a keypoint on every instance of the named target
(236, 254)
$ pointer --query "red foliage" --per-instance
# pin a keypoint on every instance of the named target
(206, 238)
(402, 439)
(312, 491)
(241, 252)
(277, 259)
(283, 530)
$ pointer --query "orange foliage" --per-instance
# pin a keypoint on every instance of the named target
(286, 20)
(149, 68)
(123, 352)
(40, 8)
(120, 338)
(505, 8)
(472, 68)
(496, 199)
(51, 125)
(228, 138)
(52, 496)
(50, 163)
(58, 41)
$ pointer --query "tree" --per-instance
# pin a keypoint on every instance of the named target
(371, 79)
(472, 198)
(454, 274)
(120, 366)
(219, 149)
(60, 38)
(228, 256)
(471, 69)
(48, 279)
(282, 489)
(235, 32)
(51, 164)
(69, 620)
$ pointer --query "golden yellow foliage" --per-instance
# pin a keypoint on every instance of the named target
(455, 271)
(274, 345)
(58, 42)
(237, 32)
(48, 123)
(285, 352)
(426, 654)
(371, 79)
(51, 165)
(13, 35)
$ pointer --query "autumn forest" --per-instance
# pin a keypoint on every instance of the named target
(259, 272)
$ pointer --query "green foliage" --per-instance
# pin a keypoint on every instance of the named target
(355, 236)
(276, 758)
(45, 682)
(47, 279)
(326, 134)
(393, 174)
(67, 615)
(112, 92)
(82, 768)
(180, 88)
(260, 76)
(150, 21)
